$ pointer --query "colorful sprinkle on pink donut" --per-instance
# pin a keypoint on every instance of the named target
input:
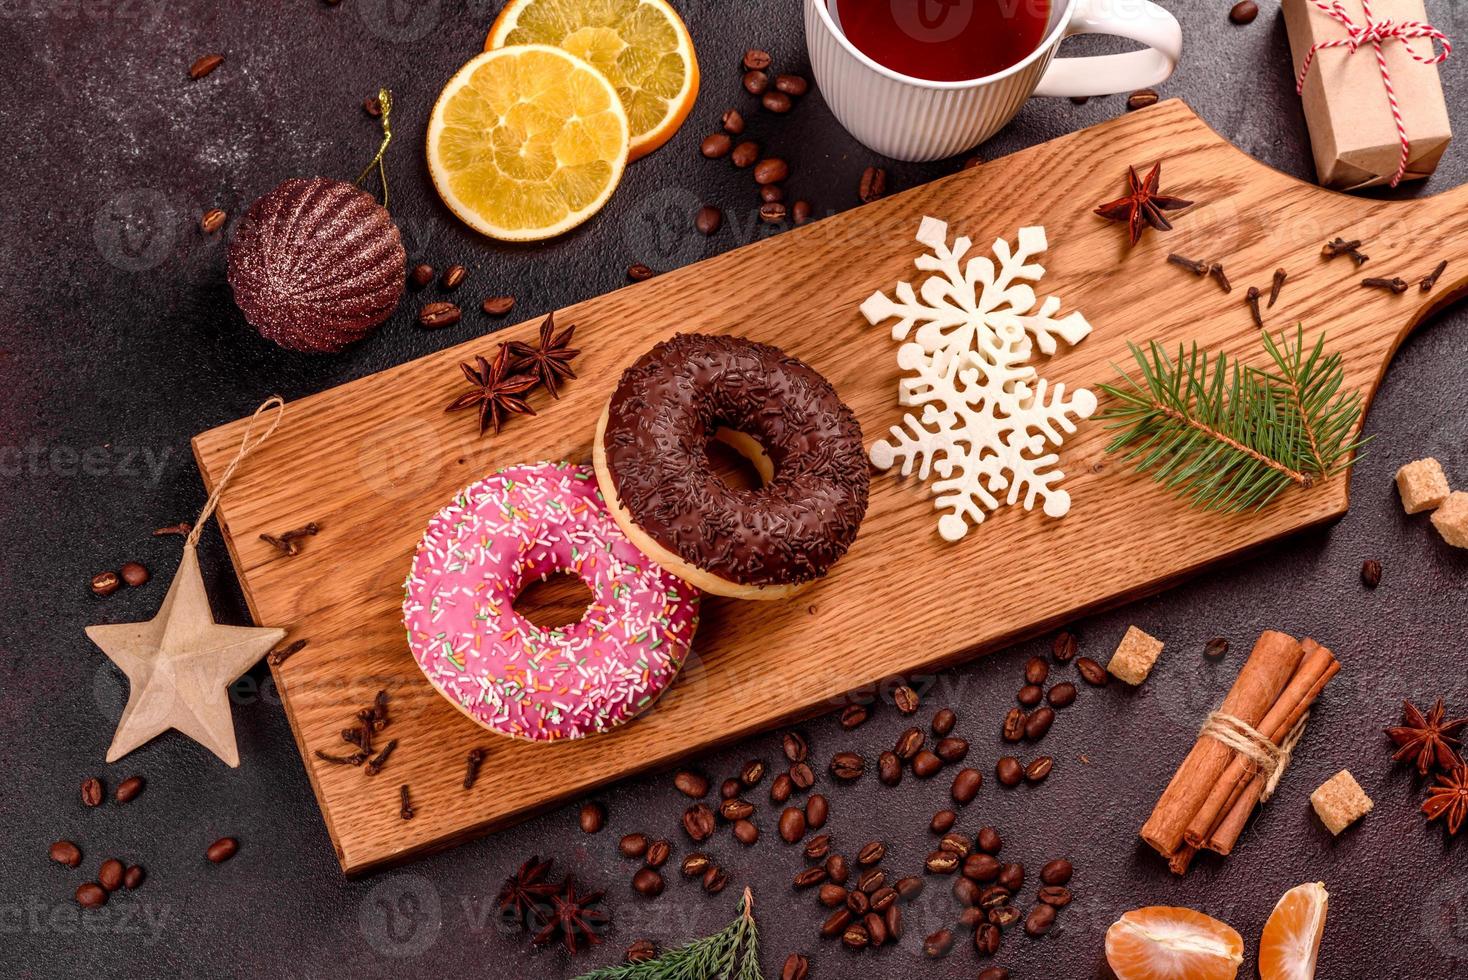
(511, 676)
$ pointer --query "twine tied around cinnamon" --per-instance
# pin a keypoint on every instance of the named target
(246, 447)
(1376, 32)
(1245, 739)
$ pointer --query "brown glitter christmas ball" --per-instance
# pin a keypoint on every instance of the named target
(316, 264)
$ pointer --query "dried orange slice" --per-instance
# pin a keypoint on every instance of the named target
(1291, 940)
(1165, 943)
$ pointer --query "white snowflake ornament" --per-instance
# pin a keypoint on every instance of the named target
(988, 422)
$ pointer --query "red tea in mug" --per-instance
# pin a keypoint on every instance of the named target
(944, 40)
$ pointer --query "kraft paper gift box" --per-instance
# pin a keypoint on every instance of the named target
(1352, 133)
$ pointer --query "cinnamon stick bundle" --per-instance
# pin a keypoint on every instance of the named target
(1213, 792)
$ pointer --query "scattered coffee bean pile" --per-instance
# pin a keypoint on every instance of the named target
(132, 573)
(443, 313)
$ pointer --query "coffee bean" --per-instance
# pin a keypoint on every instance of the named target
(420, 275)
(67, 853)
(1062, 695)
(871, 853)
(796, 967)
(593, 818)
(853, 714)
(926, 765)
(694, 865)
(106, 583)
(989, 840)
(800, 212)
(714, 880)
(134, 574)
(1092, 672)
(1244, 12)
(1038, 723)
(716, 145)
(892, 917)
(908, 744)
(857, 902)
(792, 85)
(986, 939)
(730, 788)
(1004, 916)
(752, 773)
(794, 746)
(906, 700)
(816, 809)
(1012, 876)
(638, 272)
(972, 918)
(994, 896)
(943, 821)
(938, 945)
(647, 883)
(909, 888)
(966, 891)
(873, 184)
(745, 154)
(133, 877)
(855, 937)
(1030, 695)
(882, 897)
(92, 791)
(889, 769)
(756, 82)
(698, 822)
(956, 843)
(1063, 647)
(129, 788)
(1371, 573)
(204, 65)
(772, 193)
(1008, 771)
(641, 951)
(745, 832)
(792, 824)
(658, 853)
(966, 785)
(732, 122)
(691, 784)
(1056, 872)
(847, 766)
(801, 776)
(1039, 768)
(1056, 895)
(776, 102)
(440, 314)
(994, 973)
(951, 749)
(633, 845)
(810, 876)
(832, 895)
(756, 60)
(876, 929)
(91, 895)
(818, 848)
(1215, 648)
(941, 862)
(1036, 670)
(982, 868)
(944, 721)
(109, 876)
(222, 850)
(836, 923)
(453, 277)
(1014, 725)
(1040, 920)
(736, 809)
(781, 788)
(837, 868)
(708, 220)
(772, 214)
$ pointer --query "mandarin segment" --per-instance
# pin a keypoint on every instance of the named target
(1167, 943)
(1290, 944)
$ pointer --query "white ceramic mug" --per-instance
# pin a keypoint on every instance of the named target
(917, 119)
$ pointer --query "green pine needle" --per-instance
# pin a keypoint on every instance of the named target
(1227, 436)
(731, 954)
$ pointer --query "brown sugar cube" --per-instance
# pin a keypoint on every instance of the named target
(1133, 659)
(1422, 485)
(1451, 519)
(1340, 801)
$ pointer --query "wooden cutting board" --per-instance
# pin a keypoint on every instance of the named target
(372, 461)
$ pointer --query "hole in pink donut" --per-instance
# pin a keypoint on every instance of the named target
(739, 460)
(560, 600)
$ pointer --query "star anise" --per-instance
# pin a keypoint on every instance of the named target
(526, 893)
(551, 362)
(1143, 205)
(497, 392)
(572, 917)
(1449, 797)
(1430, 739)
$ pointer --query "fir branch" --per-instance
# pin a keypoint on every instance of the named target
(1227, 436)
(730, 954)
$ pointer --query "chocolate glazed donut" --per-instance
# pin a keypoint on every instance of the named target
(653, 467)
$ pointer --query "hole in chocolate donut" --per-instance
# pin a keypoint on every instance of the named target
(560, 600)
(739, 460)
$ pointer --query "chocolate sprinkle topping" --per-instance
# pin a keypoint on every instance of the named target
(672, 401)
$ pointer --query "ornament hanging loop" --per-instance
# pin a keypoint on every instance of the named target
(384, 99)
(274, 402)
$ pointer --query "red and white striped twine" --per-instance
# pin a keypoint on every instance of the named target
(1374, 32)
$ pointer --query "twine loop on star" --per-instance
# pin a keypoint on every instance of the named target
(246, 447)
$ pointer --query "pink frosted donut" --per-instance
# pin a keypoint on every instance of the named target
(511, 676)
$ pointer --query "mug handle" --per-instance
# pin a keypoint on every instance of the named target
(1139, 20)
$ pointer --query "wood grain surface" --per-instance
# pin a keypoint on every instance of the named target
(372, 460)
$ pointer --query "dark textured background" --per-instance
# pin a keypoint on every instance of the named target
(120, 342)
